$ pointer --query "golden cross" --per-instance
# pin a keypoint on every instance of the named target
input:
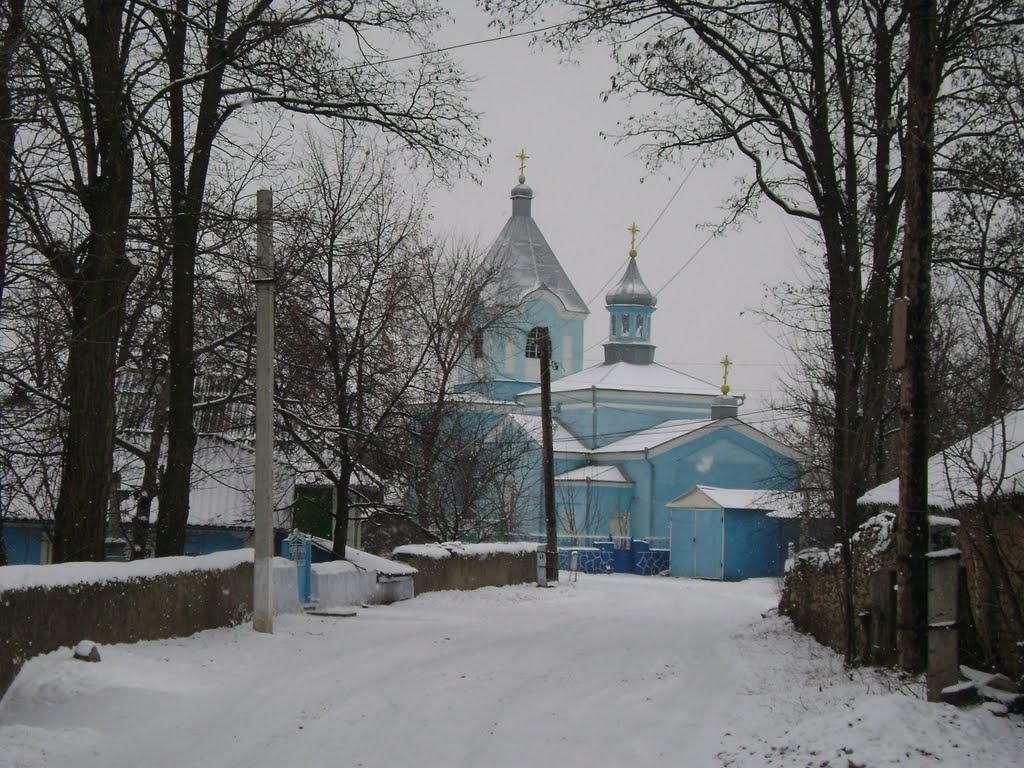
(726, 364)
(632, 240)
(523, 157)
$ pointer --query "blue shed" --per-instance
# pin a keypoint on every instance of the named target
(732, 533)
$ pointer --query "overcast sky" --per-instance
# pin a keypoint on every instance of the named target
(587, 192)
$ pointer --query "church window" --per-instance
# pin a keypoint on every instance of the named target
(612, 332)
(639, 325)
(625, 325)
(478, 345)
(534, 339)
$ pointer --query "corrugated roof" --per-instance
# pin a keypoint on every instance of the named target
(988, 463)
(528, 260)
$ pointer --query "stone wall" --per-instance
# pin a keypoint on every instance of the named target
(991, 600)
(40, 619)
(468, 567)
(812, 594)
(992, 547)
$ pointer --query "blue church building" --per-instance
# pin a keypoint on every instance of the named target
(634, 440)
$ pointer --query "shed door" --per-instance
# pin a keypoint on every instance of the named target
(709, 525)
(683, 543)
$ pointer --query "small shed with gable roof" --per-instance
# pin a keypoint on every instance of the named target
(732, 533)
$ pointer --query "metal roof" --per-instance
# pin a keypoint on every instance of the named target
(632, 377)
(529, 262)
(631, 289)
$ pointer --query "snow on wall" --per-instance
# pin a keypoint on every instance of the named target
(448, 548)
(15, 577)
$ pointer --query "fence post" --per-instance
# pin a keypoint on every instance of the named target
(943, 614)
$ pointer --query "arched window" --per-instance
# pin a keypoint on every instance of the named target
(534, 339)
(640, 325)
(625, 325)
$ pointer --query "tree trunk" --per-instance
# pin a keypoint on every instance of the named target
(81, 513)
(97, 288)
(189, 168)
(915, 280)
(9, 44)
(150, 486)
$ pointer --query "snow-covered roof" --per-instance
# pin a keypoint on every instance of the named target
(659, 434)
(595, 473)
(561, 438)
(222, 486)
(527, 259)
(988, 463)
(630, 377)
(778, 503)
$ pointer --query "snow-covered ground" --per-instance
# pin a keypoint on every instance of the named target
(608, 671)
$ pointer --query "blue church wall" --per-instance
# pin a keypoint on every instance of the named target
(24, 543)
(591, 510)
(504, 373)
(510, 346)
(607, 418)
(723, 458)
(755, 544)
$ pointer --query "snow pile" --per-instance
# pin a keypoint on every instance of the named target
(13, 577)
(815, 712)
(888, 730)
(877, 529)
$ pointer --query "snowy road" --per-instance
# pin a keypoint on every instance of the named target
(611, 671)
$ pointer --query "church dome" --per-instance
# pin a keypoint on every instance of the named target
(522, 190)
(631, 289)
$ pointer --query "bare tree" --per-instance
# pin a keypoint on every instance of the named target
(73, 192)
(350, 349)
(325, 58)
(809, 94)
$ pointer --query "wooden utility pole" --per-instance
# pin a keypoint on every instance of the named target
(263, 576)
(549, 454)
(915, 287)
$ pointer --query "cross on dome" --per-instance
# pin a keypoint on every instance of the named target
(632, 240)
(726, 364)
(523, 157)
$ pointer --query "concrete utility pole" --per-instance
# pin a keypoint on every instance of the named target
(263, 576)
(915, 287)
(549, 454)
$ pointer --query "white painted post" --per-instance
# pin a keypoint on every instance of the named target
(263, 576)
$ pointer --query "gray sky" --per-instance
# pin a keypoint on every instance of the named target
(588, 191)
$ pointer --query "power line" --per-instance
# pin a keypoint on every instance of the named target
(455, 47)
(657, 219)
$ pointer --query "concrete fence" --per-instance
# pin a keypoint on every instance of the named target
(470, 566)
(57, 606)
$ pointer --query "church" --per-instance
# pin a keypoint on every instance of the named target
(655, 470)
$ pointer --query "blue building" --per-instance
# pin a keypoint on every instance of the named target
(632, 438)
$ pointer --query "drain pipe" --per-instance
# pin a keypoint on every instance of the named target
(650, 497)
(593, 416)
